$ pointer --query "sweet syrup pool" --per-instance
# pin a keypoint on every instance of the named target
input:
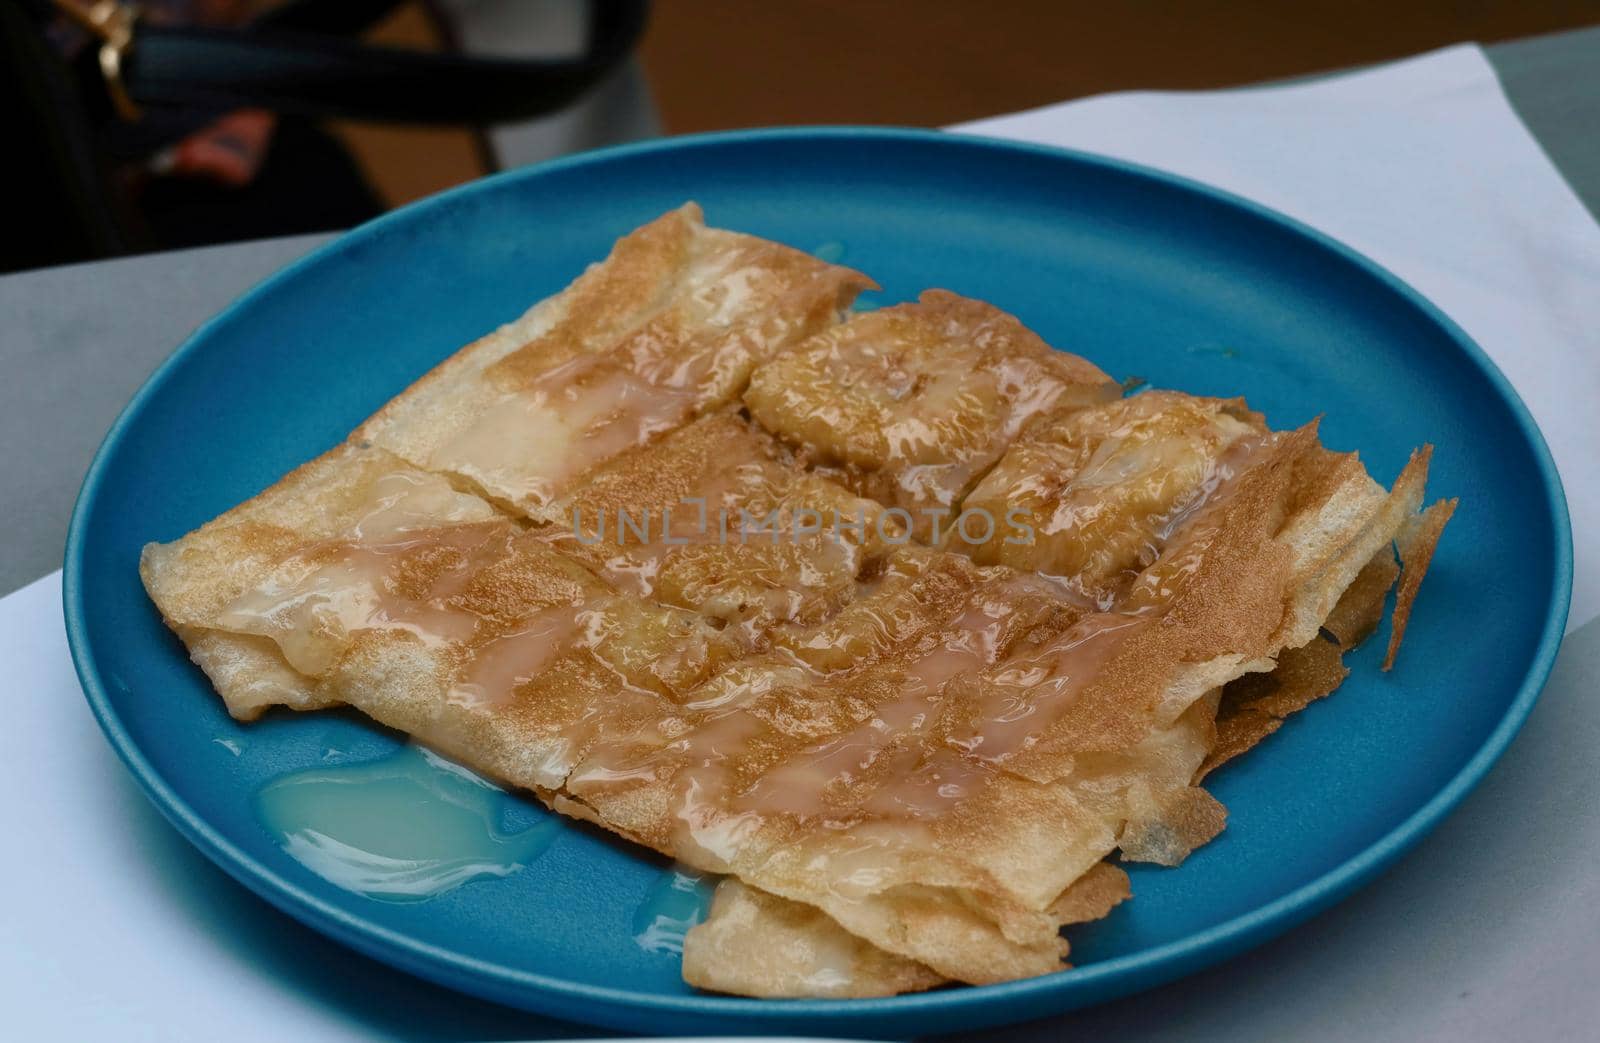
(676, 901)
(401, 829)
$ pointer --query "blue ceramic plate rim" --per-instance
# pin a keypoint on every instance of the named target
(1116, 976)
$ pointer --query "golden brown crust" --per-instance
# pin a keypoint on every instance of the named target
(911, 405)
(667, 328)
(610, 298)
(1097, 487)
(715, 517)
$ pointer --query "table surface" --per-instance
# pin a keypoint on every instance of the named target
(1491, 903)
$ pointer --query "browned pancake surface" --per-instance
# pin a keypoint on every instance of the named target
(568, 560)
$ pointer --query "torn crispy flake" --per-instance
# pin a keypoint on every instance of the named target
(1254, 706)
(1360, 609)
(1180, 822)
(913, 761)
(1417, 542)
(1093, 895)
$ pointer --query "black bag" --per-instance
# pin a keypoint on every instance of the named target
(75, 121)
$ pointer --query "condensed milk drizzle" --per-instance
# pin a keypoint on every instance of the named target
(909, 757)
(723, 306)
(401, 570)
(321, 598)
(531, 444)
(922, 759)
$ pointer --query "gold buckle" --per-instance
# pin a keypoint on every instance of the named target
(111, 22)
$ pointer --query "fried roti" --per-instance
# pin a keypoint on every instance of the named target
(567, 559)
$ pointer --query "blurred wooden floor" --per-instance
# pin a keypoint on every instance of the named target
(716, 64)
(722, 63)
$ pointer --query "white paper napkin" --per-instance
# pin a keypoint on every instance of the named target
(114, 928)
(1423, 166)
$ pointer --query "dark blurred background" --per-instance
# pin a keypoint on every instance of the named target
(720, 64)
(715, 64)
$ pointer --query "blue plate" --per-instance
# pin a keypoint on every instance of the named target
(1148, 275)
